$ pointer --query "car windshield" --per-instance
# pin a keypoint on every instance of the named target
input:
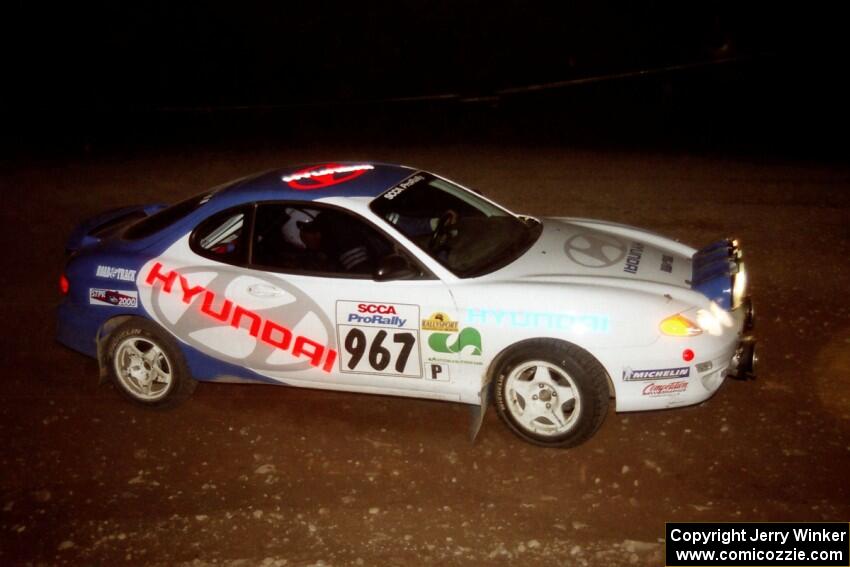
(465, 233)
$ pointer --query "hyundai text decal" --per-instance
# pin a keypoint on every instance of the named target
(113, 297)
(540, 320)
(630, 375)
(226, 312)
(111, 273)
(633, 258)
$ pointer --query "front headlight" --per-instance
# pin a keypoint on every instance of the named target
(721, 315)
(713, 319)
(709, 322)
(679, 326)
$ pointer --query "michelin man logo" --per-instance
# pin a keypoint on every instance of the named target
(281, 328)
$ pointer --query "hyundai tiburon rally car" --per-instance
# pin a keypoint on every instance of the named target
(385, 279)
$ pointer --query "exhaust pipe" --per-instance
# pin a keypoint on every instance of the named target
(744, 361)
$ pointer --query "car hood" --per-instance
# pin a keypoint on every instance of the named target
(582, 248)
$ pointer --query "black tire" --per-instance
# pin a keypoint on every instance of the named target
(538, 407)
(157, 365)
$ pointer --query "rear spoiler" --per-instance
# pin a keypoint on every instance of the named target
(107, 224)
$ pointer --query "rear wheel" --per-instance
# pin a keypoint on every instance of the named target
(147, 366)
(551, 393)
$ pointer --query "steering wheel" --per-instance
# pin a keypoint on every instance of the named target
(441, 232)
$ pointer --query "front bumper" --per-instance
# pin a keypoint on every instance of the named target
(736, 358)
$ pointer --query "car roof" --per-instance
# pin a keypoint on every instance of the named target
(316, 181)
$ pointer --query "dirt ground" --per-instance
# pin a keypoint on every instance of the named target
(263, 475)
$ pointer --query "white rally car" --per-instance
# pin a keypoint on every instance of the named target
(390, 280)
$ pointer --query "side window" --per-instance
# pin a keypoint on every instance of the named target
(223, 236)
(316, 240)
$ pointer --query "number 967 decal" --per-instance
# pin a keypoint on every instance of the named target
(379, 338)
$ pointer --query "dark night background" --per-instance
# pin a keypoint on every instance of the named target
(717, 76)
(696, 121)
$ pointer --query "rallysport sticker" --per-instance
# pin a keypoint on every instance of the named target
(379, 338)
(439, 321)
(113, 297)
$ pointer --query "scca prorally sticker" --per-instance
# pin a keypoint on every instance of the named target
(630, 375)
(379, 338)
(112, 273)
(113, 297)
(403, 186)
(325, 175)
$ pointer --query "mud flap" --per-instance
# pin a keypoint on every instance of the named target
(102, 374)
(477, 412)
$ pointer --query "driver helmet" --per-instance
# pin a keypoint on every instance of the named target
(291, 229)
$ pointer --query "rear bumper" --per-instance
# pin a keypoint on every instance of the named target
(76, 328)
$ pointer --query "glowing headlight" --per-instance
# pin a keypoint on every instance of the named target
(709, 322)
(679, 326)
(721, 315)
(739, 286)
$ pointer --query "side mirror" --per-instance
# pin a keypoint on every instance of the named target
(394, 267)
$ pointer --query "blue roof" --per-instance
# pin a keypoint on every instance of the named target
(317, 181)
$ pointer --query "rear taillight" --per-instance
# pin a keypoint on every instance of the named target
(64, 285)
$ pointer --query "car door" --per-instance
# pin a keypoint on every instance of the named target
(346, 330)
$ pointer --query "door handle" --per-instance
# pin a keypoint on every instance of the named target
(264, 290)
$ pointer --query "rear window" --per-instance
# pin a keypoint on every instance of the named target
(164, 218)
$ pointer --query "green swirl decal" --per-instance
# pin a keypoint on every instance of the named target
(468, 337)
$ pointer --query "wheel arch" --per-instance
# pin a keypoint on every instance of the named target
(102, 338)
(496, 363)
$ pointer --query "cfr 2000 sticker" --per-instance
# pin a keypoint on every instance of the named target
(113, 297)
(379, 338)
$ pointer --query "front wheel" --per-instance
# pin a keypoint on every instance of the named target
(551, 393)
(147, 366)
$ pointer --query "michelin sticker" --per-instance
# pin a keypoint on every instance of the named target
(379, 338)
(630, 375)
